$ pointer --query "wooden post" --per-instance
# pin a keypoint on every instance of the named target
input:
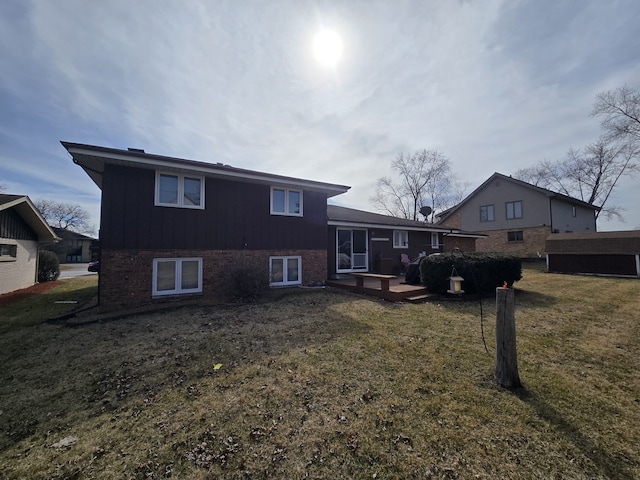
(506, 356)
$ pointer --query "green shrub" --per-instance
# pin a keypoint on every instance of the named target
(246, 282)
(48, 266)
(482, 272)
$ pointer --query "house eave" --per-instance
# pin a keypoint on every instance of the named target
(30, 214)
(338, 223)
(93, 159)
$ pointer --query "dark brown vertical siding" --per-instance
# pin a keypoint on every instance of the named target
(418, 242)
(236, 215)
(331, 251)
(13, 226)
(597, 264)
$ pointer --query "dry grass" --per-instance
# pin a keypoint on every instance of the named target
(322, 384)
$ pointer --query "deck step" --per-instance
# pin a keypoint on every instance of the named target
(417, 298)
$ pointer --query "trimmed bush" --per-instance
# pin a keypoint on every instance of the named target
(482, 272)
(48, 266)
(246, 283)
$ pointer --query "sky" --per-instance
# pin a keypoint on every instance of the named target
(495, 85)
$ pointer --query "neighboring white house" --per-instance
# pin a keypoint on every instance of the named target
(22, 229)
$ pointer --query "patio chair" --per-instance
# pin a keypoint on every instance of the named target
(406, 261)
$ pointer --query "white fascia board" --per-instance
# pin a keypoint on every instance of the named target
(220, 172)
(337, 223)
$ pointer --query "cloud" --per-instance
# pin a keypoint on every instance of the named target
(495, 86)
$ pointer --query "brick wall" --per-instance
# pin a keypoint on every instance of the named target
(463, 244)
(454, 221)
(532, 246)
(126, 275)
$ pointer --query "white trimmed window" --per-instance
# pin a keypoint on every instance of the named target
(400, 239)
(285, 271)
(178, 190)
(285, 201)
(177, 276)
(435, 241)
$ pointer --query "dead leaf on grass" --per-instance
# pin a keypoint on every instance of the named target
(66, 442)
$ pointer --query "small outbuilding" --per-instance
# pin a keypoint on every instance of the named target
(598, 253)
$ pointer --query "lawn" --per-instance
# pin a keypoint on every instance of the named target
(324, 384)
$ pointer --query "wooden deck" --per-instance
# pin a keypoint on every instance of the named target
(398, 290)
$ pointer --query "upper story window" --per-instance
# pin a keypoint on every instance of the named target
(435, 241)
(573, 211)
(514, 210)
(486, 213)
(400, 239)
(178, 190)
(285, 201)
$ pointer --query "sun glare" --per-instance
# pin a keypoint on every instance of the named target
(327, 48)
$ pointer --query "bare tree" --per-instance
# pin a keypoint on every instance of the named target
(591, 174)
(67, 216)
(3, 188)
(619, 111)
(425, 179)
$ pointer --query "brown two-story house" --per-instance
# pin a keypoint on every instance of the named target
(173, 227)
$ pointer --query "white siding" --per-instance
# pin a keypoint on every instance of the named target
(20, 272)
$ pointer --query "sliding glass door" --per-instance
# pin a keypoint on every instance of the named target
(351, 250)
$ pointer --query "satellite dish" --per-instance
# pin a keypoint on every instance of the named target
(426, 211)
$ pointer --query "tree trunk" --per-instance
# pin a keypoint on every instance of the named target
(506, 356)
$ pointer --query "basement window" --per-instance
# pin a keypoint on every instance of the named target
(285, 271)
(177, 276)
(515, 236)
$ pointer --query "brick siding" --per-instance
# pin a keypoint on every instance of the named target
(126, 275)
(532, 245)
(463, 244)
(454, 221)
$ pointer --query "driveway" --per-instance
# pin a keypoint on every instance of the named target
(71, 270)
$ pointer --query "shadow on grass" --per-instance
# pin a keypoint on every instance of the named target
(609, 465)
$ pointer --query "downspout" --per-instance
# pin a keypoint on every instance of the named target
(637, 265)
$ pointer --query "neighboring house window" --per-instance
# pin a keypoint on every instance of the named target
(285, 271)
(514, 210)
(573, 210)
(8, 252)
(400, 239)
(174, 276)
(486, 213)
(286, 202)
(178, 190)
(515, 236)
(435, 241)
